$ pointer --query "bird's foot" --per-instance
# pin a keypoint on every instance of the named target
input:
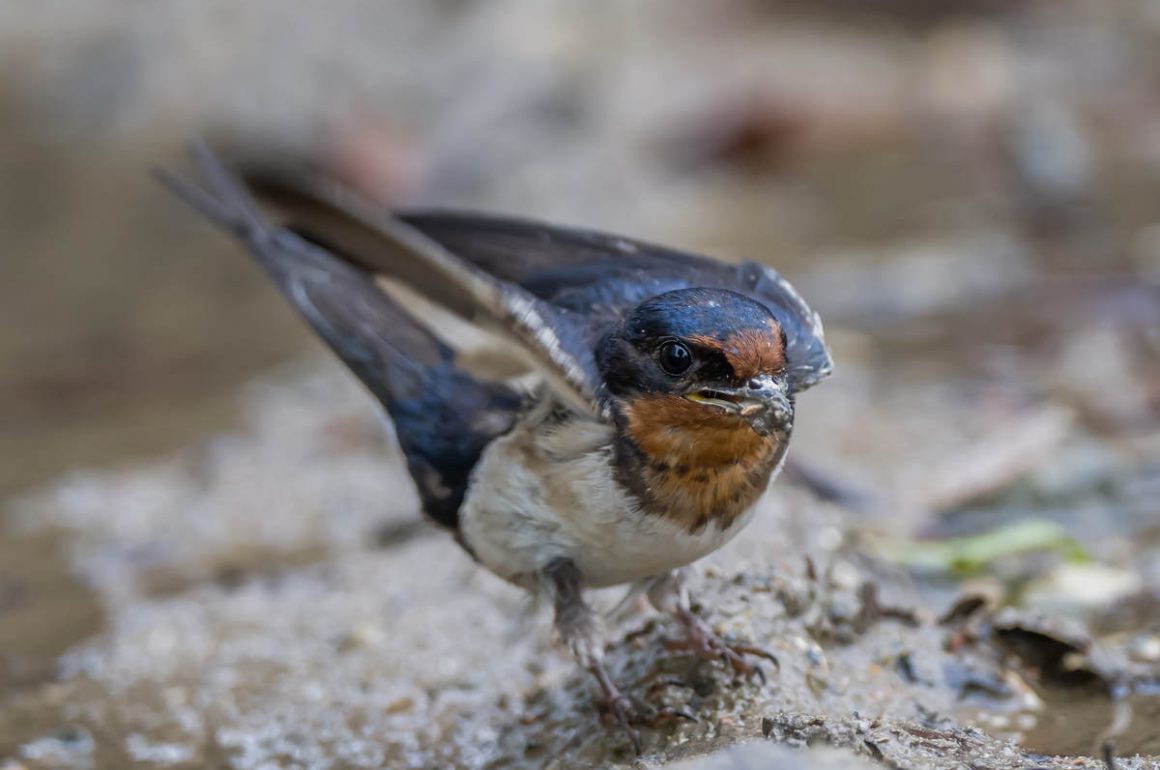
(631, 714)
(702, 641)
(617, 706)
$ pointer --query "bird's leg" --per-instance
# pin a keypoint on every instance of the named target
(668, 594)
(580, 628)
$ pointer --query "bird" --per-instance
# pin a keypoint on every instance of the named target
(661, 407)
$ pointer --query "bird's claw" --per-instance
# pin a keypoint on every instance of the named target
(666, 714)
(654, 682)
(622, 710)
(703, 642)
(630, 715)
(618, 706)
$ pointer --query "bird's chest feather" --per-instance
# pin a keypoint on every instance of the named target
(695, 466)
(550, 490)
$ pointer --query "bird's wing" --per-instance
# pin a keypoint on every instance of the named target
(555, 340)
(582, 279)
(444, 418)
(607, 275)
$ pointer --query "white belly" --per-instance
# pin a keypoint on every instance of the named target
(545, 492)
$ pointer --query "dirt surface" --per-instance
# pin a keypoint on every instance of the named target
(259, 613)
(240, 578)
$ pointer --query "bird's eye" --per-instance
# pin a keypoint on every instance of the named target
(675, 357)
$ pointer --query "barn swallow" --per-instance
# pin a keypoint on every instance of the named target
(663, 411)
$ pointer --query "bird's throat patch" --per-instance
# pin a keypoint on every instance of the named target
(693, 463)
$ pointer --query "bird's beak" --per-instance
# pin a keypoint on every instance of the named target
(764, 402)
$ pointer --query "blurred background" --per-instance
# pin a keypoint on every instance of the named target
(968, 191)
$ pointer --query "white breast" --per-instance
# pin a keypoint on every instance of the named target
(546, 491)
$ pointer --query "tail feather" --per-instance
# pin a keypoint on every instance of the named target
(444, 418)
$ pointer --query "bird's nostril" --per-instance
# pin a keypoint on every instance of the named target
(755, 384)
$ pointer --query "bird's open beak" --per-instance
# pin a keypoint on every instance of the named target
(764, 401)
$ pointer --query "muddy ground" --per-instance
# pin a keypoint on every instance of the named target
(211, 555)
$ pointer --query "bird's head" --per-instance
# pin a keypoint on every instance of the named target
(699, 365)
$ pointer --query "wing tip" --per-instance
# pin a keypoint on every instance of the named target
(220, 196)
(821, 359)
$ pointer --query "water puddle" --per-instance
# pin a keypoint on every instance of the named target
(1079, 724)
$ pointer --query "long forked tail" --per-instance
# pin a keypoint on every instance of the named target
(443, 417)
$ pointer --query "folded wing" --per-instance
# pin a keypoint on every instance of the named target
(555, 340)
(562, 287)
(607, 275)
